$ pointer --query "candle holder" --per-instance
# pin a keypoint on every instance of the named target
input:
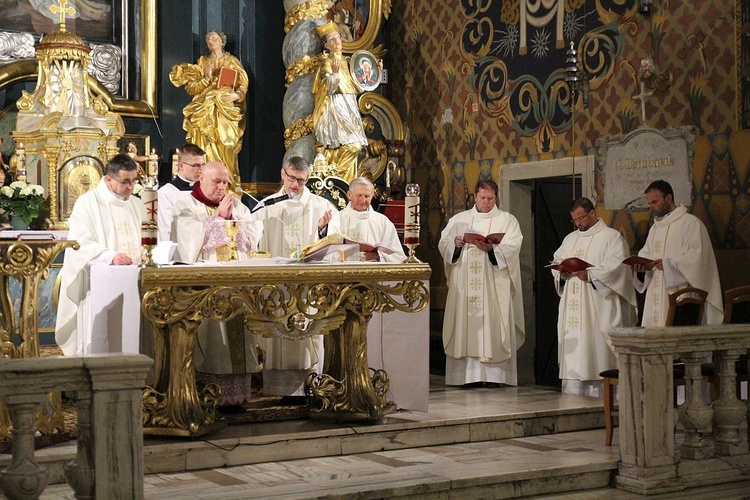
(232, 228)
(149, 225)
(411, 222)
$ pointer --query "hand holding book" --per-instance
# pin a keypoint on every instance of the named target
(640, 263)
(474, 237)
(571, 265)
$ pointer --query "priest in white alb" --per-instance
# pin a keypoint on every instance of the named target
(361, 223)
(483, 325)
(190, 159)
(592, 301)
(680, 247)
(293, 218)
(106, 222)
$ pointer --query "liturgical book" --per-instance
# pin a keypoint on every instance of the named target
(570, 265)
(633, 260)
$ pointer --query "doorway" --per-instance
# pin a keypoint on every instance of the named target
(551, 198)
(518, 186)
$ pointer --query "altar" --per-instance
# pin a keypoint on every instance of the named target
(397, 341)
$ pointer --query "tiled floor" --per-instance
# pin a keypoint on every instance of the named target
(484, 468)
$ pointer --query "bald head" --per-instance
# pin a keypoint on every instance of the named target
(214, 180)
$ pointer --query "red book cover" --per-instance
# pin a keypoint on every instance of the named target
(636, 260)
(473, 238)
(227, 77)
(570, 265)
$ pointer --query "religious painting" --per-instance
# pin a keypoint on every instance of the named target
(142, 144)
(91, 19)
(358, 21)
(364, 68)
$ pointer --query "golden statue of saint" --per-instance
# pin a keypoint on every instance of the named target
(215, 119)
(336, 118)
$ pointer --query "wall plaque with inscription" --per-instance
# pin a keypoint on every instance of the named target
(631, 162)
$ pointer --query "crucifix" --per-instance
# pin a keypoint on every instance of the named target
(60, 8)
(642, 97)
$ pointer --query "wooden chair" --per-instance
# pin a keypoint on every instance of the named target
(686, 307)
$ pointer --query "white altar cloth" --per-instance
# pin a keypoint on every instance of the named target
(397, 341)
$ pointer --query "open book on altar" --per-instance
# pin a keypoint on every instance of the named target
(570, 265)
(471, 236)
(635, 260)
(338, 242)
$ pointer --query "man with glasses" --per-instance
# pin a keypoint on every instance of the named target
(106, 222)
(592, 301)
(191, 160)
(289, 226)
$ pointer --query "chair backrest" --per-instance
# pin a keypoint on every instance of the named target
(737, 305)
(686, 307)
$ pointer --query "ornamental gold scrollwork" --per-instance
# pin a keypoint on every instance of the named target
(305, 66)
(308, 10)
(300, 127)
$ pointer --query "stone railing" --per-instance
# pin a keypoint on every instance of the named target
(106, 390)
(649, 460)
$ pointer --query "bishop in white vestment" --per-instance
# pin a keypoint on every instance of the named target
(592, 301)
(199, 223)
(289, 226)
(363, 224)
(106, 222)
(680, 245)
(484, 324)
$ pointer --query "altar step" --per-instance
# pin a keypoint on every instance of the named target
(478, 442)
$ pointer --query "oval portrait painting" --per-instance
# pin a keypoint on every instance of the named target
(365, 70)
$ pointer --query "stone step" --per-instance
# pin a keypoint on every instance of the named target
(456, 417)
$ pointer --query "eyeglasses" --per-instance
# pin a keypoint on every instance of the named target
(582, 217)
(298, 180)
(194, 165)
(126, 182)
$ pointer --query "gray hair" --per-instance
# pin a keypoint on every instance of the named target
(299, 164)
(361, 181)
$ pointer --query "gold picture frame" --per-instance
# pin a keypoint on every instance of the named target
(143, 108)
(379, 9)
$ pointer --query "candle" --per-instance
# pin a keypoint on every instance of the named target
(411, 215)
(388, 173)
(175, 162)
(153, 164)
(20, 162)
(148, 216)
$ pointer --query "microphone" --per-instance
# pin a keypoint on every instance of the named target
(272, 201)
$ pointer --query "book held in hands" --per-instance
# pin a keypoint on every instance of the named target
(635, 260)
(227, 77)
(473, 237)
(570, 265)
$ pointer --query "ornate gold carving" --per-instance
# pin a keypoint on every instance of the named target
(300, 127)
(379, 9)
(27, 262)
(329, 186)
(304, 66)
(29, 68)
(303, 301)
(313, 9)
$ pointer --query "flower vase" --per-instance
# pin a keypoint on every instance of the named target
(18, 223)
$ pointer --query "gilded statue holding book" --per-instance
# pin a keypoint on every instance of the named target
(215, 119)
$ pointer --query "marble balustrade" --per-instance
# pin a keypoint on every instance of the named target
(106, 391)
(650, 462)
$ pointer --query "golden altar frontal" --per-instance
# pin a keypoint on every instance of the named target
(292, 301)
